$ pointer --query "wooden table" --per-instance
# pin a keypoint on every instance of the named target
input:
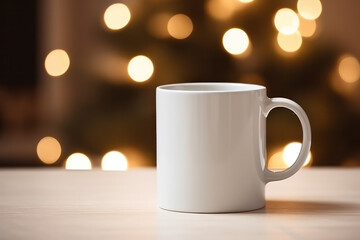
(316, 203)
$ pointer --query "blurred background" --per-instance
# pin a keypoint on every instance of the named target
(78, 78)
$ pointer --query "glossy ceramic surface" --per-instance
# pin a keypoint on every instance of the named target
(211, 149)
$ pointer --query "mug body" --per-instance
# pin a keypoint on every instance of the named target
(211, 150)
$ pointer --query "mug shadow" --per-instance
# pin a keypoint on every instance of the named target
(290, 207)
(306, 207)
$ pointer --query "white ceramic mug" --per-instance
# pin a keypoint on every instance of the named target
(211, 146)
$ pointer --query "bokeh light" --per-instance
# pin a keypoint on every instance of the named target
(48, 150)
(245, 1)
(349, 68)
(276, 161)
(235, 41)
(180, 26)
(307, 27)
(291, 152)
(348, 90)
(140, 68)
(285, 157)
(286, 21)
(78, 161)
(114, 161)
(57, 62)
(117, 16)
(289, 43)
(309, 9)
(220, 9)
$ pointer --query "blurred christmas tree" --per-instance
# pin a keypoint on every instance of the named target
(273, 43)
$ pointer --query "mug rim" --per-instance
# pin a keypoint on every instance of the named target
(210, 87)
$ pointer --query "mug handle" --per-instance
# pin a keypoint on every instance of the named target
(272, 103)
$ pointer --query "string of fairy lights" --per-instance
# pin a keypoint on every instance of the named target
(292, 26)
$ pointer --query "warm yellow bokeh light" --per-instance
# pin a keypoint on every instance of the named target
(57, 62)
(309, 9)
(349, 68)
(286, 157)
(245, 1)
(180, 26)
(291, 152)
(289, 43)
(117, 16)
(78, 161)
(286, 21)
(48, 150)
(114, 161)
(307, 27)
(140, 68)
(235, 41)
(220, 9)
(276, 161)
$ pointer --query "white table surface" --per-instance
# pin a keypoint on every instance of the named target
(317, 203)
